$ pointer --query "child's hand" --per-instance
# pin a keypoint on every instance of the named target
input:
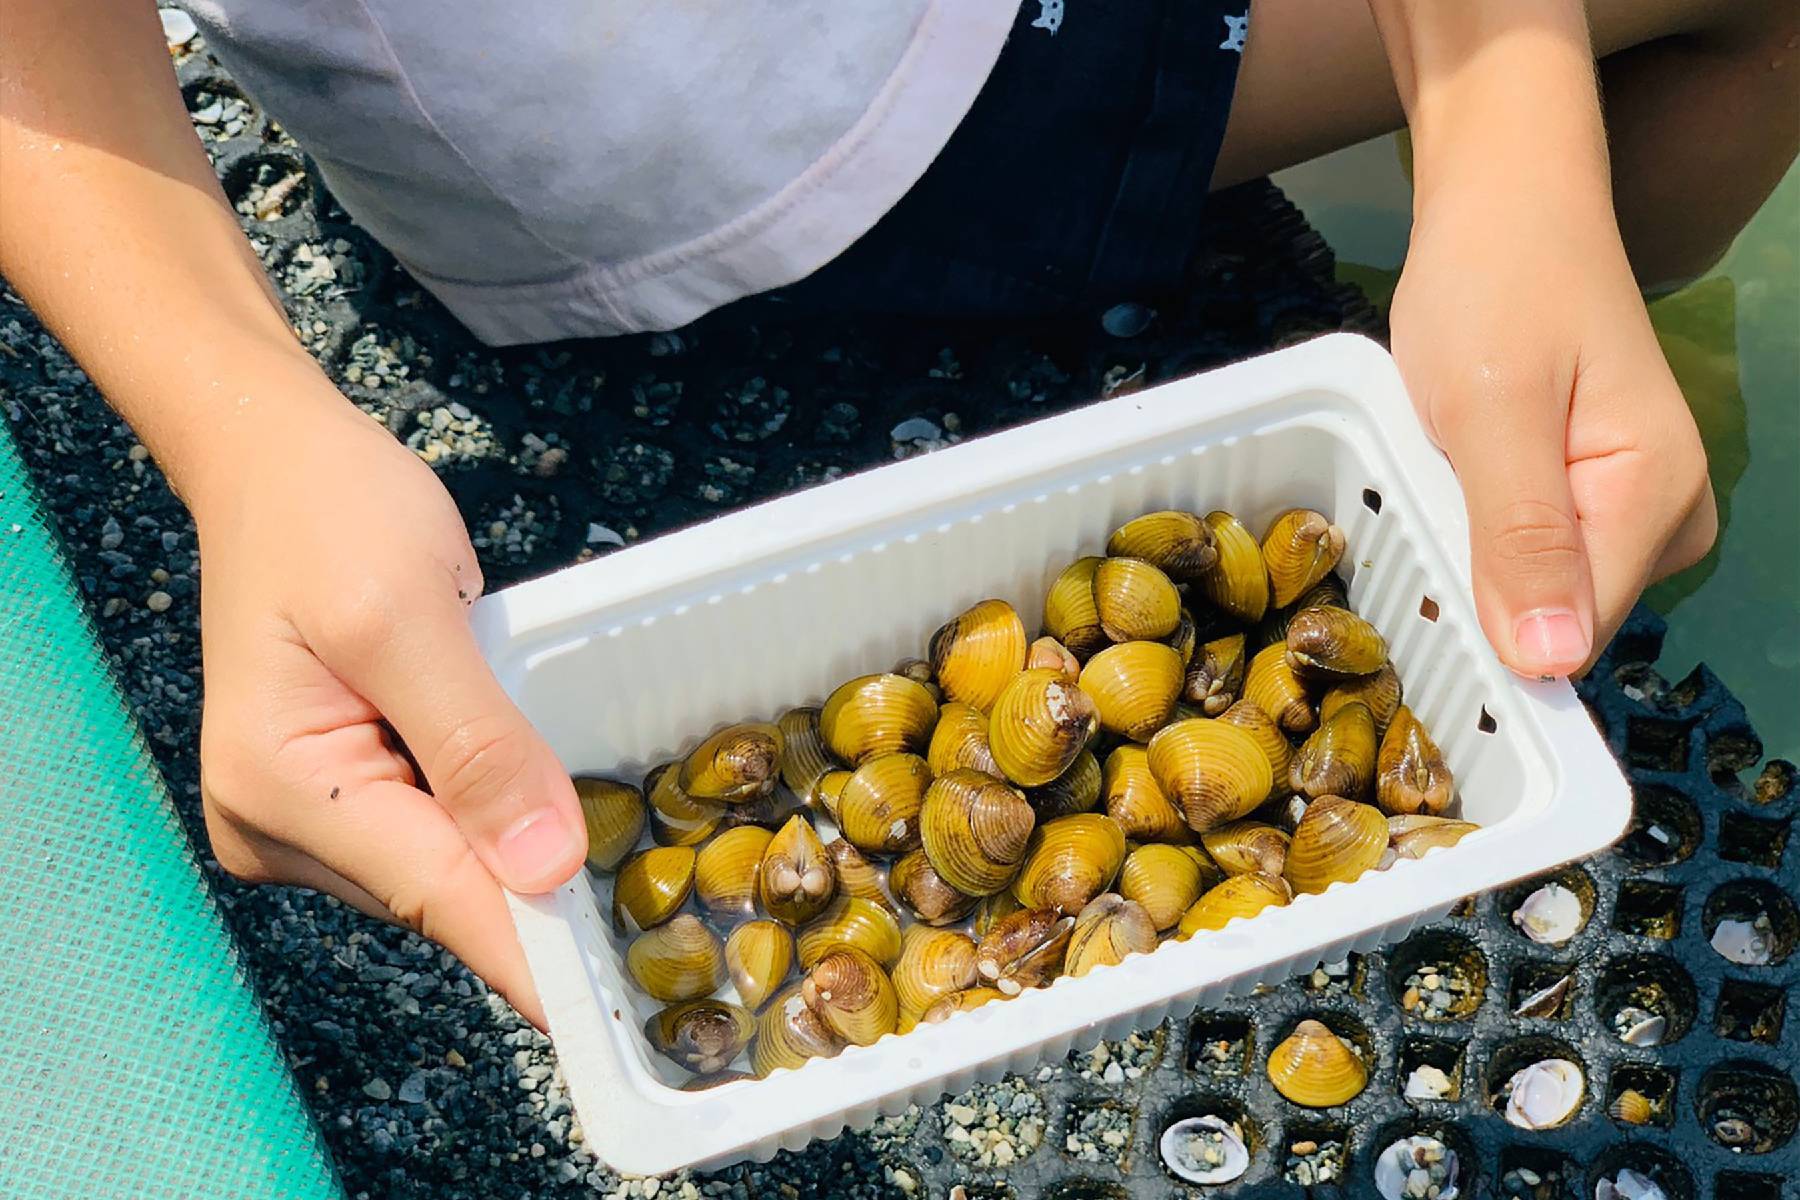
(1526, 347)
(336, 579)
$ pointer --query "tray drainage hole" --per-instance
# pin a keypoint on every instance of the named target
(1220, 1045)
(1550, 909)
(1372, 500)
(1648, 909)
(1331, 980)
(1442, 1144)
(1431, 1069)
(1750, 1012)
(1650, 1162)
(1542, 1104)
(1752, 840)
(1746, 1185)
(1655, 744)
(1751, 922)
(1486, 723)
(1646, 1000)
(1098, 1131)
(1639, 1094)
(1748, 1107)
(1665, 828)
(1205, 1146)
(1438, 976)
(1314, 1153)
(1428, 608)
(975, 1122)
(1532, 1173)
(1542, 990)
(1775, 783)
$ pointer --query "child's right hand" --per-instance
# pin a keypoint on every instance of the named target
(336, 578)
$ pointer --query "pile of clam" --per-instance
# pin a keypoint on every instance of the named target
(1203, 730)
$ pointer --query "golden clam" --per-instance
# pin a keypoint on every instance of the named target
(856, 875)
(1411, 775)
(795, 881)
(960, 740)
(991, 909)
(1070, 861)
(829, 790)
(1023, 950)
(1300, 549)
(1316, 1068)
(1334, 643)
(975, 653)
(1336, 840)
(1075, 790)
(1038, 725)
(975, 829)
(1215, 675)
(1416, 834)
(878, 714)
(878, 809)
(1380, 690)
(1134, 800)
(676, 818)
(1165, 880)
(1049, 654)
(1133, 686)
(1070, 615)
(1106, 930)
(725, 869)
(916, 884)
(804, 755)
(1241, 847)
(963, 1001)
(1269, 739)
(1180, 543)
(1275, 689)
(933, 963)
(680, 959)
(1338, 759)
(703, 1083)
(738, 763)
(1185, 639)
(789, 1032)
(1236, 896)
(1135, 600)
(650, 886)
(852, 996)
(614, 816)
(702, 1035)
(1214, 772)
(758, 955)
(919, 671)
(850, 921)
(1327, 593)
(1238, 583)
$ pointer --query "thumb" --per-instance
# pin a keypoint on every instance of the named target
(1533, 588)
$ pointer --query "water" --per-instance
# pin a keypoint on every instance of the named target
(1733, 340)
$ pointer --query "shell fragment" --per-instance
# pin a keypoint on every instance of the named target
(1749, 943)
(1544, 1094)
(1550, 916)
(1628, 1185)
(1204, 1150)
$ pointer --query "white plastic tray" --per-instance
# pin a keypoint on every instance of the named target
(630, 660)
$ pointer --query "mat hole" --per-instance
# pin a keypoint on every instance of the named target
(1428, 608)
(1648, 909)
(1220, 1044)
(1750, 1012)
(1744, 1185)
(1372, 500)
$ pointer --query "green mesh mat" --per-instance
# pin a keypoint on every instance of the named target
(134, 1060)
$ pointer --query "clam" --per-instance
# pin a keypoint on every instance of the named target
(878, 809)
(1336, 840)
(1631, 1107)
(933, 963)
(878, 714)
(1165, 880)
(1416, 835)
(758, 955)
(1239, 847)
(1640, 1027)
(614, 815)
(850, 921)
(1179, 543)
(702, 1035)
(1238, 583)
(1134, 800)
(680, 959)
(795, 881)
(1204, 1149)
(856, 875)
(960, 740)
(770, 812)
(789, 1032)
(920, 672)
(1075, 790)
(829, 790)
(1070, 615)
(1550, 916)
(1135, 600)
(1215, 674)
(975, 829)
(1049, 654)
(676, 818)
(1333, 643)
(1237, 896)
(1544, 1094)
(1316, 1068)
(1038, 725)
(969, 998)
(992, 909)
(704, 1083)
(916, 884)
(976, 652)
(650, 886)
(852, 996)
(1106, 930)
(1133, 686)
(1338, 759)
(804, 755)
(725, 869)
(1327, 593)
(1546, 1001)
(1411, 775)
(1380, 690)
(1213, 771)
(1269, 738)
(1185, 640)
(1417, 1166)
(1300, 549)
(1070, 861)
(738, 763)
(1023, 950)
(1272, 685)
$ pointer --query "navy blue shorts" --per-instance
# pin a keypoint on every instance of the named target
(1075, 181)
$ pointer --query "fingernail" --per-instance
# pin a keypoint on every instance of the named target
(1550, 641)
(535, 850)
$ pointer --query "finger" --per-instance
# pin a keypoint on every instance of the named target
(1533, 589)
(1692, 542)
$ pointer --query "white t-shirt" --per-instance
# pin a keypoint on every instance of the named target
(571, 168)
